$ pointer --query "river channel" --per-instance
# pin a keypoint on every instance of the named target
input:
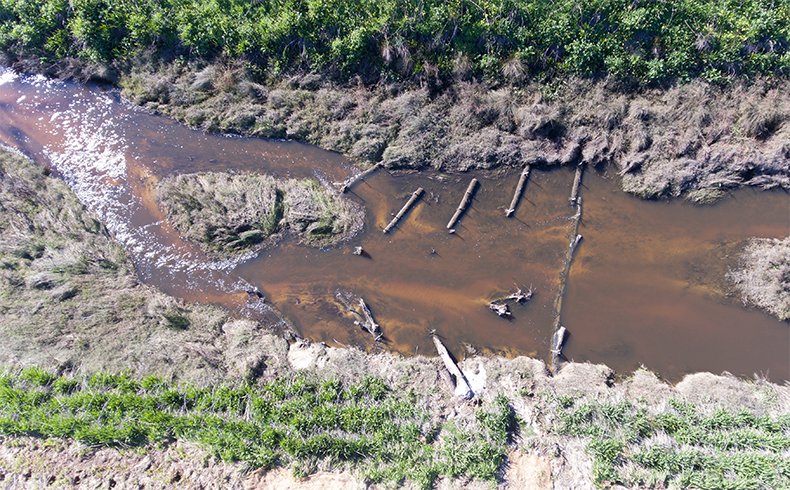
(647, 285)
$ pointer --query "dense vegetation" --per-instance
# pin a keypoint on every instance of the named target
(645, 40)
(300, 423)
(679, 446)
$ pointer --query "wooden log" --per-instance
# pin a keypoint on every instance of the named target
(463, 205)
(577, 180)
(574, 242)
(369, 324)
(462, 388)
(354, 179)
(557, 341)
(414, 196)
(522, 181)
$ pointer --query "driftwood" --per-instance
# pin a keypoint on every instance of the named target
(522, 181)
(365, 319)
(557, 341)
(577, 180)
(464, 204)
(414, 196)
(462, 388)
(346, 185)
(574, 242)
(368, 324)
(500, 309)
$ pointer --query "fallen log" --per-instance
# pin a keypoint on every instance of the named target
(346, 185)
(464, 204)
(557, 341)
(566, 268)
(577, 180)
(522, 181)
(368, 324)
(414, 196)
(462, 388)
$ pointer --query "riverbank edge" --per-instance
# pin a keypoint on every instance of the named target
(693, 140)
(155, 334)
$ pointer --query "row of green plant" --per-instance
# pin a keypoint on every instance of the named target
(679, 446)
(648, 40)
(300, 423)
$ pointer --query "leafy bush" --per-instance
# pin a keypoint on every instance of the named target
(647, 41)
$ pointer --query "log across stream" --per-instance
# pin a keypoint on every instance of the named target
(646, 285)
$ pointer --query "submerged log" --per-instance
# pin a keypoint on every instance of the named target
(464, 204)
(368, 324)
(574, 242)
(346, 185)
(462, 388)
(522, 181)
(414, 196)
(577, 180)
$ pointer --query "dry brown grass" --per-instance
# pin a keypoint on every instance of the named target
(694, 140)
(234, 214)
(763, 277)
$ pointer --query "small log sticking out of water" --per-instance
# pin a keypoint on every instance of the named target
(520, 296)
(500, 309)
(368, 324)
(464, 204)
(577, 180)
(414, 196)
(556, 342)
(346, 185)
(522, 181)
(462, 388)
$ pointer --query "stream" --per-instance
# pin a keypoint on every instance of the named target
(646, 287)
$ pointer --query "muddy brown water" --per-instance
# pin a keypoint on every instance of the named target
(646, 286)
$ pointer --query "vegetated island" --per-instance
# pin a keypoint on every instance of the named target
(235, 214)
(685, 99)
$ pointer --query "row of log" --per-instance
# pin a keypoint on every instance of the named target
(499, 306)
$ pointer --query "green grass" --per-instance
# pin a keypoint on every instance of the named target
(299, 423)
(679, 446)
(649, 41)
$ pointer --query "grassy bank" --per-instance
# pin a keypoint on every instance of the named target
(695, 140)
(71, 299)
(709, 433)
(233, 214)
